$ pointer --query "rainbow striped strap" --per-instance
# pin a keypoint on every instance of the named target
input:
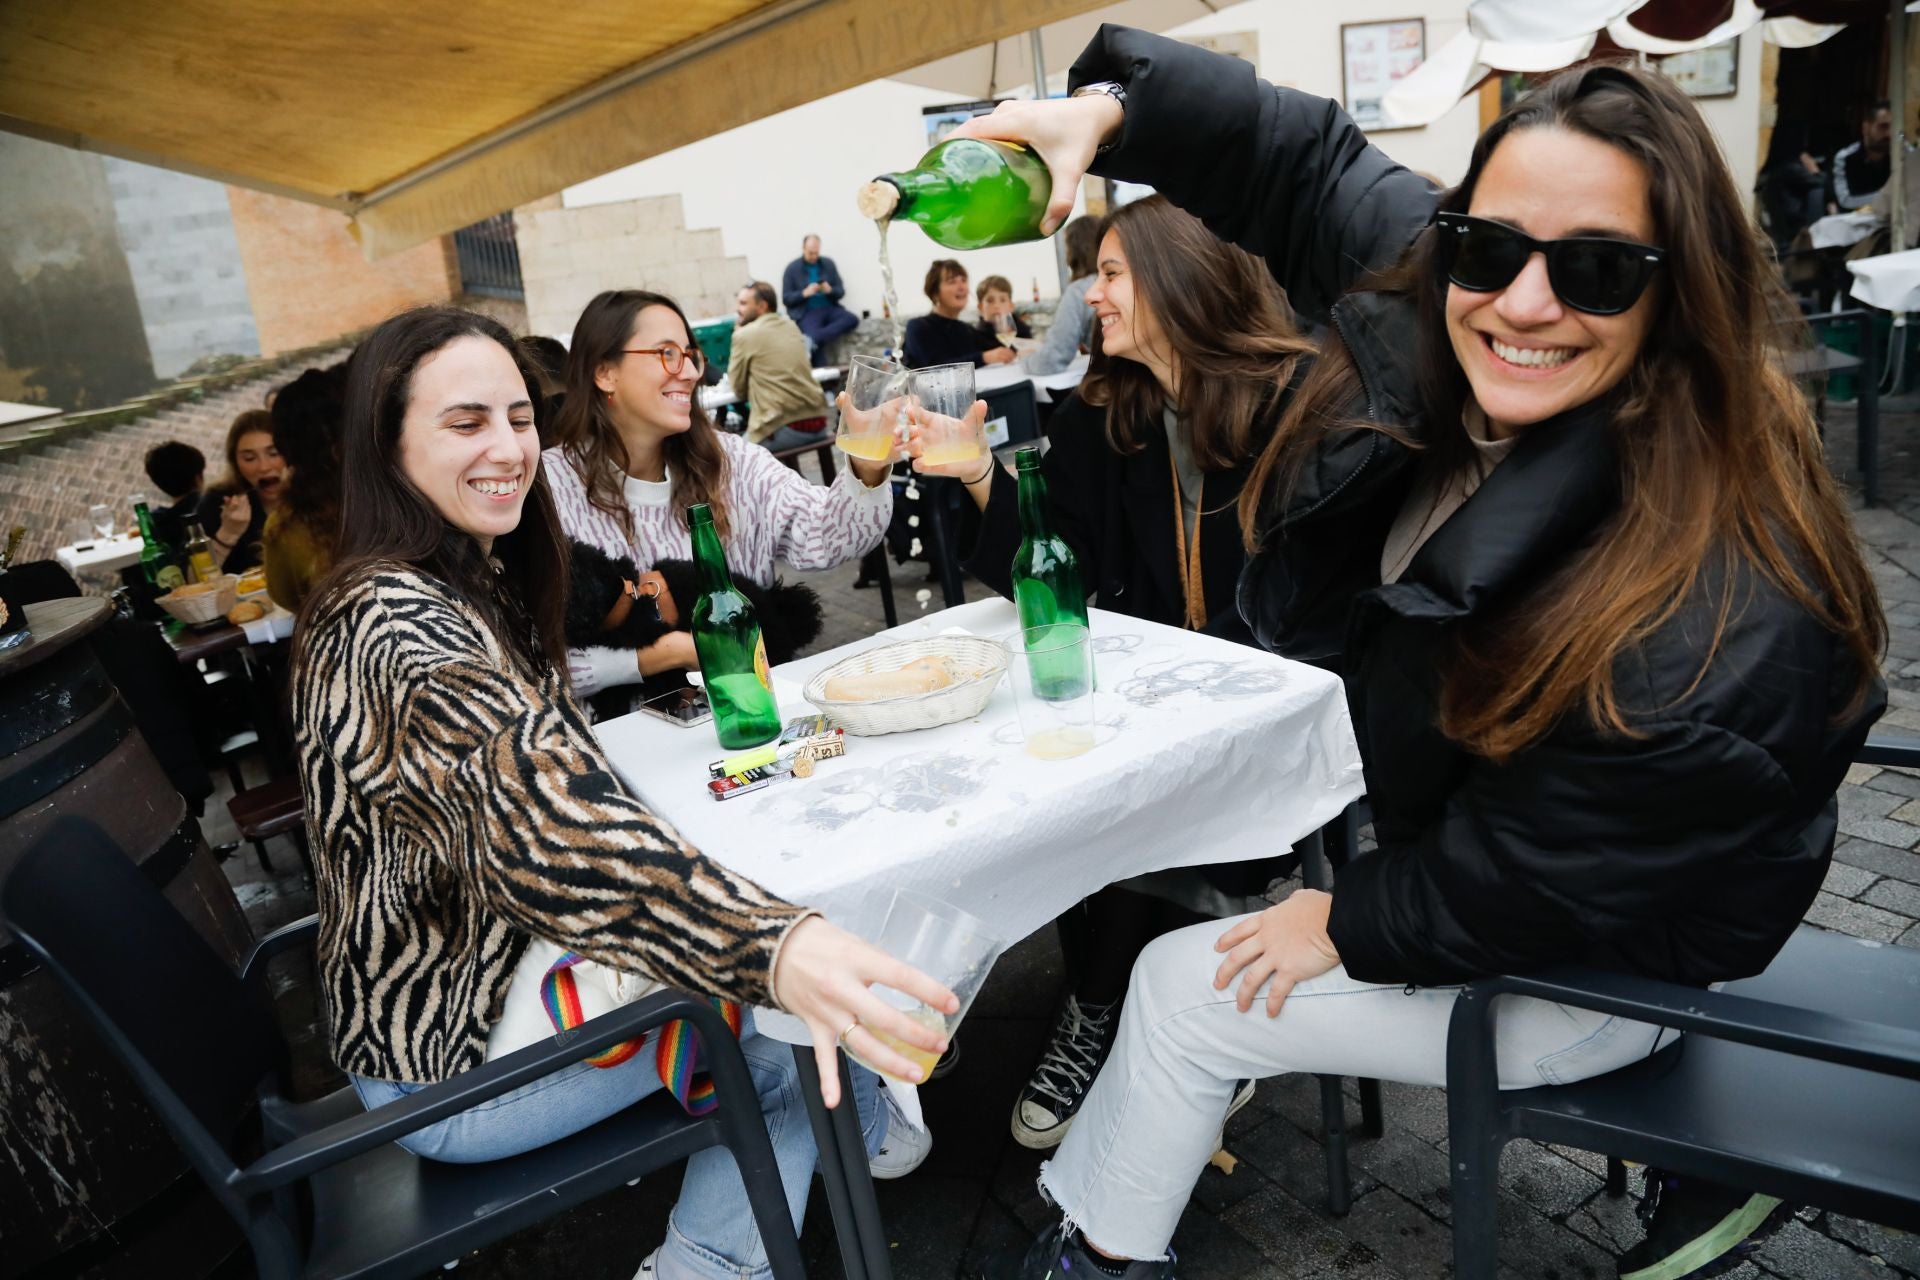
(673, 1052)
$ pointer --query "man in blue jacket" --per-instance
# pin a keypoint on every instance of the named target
(812, 291)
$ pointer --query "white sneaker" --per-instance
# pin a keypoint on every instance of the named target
(906, 1146)
(646, 1271)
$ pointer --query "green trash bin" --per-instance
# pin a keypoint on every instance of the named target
(715, 338)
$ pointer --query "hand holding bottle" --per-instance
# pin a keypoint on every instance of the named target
(1067, 132)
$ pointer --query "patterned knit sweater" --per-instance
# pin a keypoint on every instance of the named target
(456, 806)
(773, 512)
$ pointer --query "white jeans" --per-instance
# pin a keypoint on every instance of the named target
(1149, 1123)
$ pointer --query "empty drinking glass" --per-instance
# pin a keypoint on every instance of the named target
(102, 517)
(1052, 675)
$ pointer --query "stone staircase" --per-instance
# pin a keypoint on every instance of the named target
(50, 475)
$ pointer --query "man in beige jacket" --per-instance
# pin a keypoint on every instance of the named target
(769, 370)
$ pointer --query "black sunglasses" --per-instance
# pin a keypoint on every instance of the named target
(1594, 274)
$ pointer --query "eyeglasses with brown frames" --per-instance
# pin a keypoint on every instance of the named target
(673, 357)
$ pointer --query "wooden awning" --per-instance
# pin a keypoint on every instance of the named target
(421, 118)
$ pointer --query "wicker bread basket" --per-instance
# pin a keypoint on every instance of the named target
(960, 700)
(197, 607)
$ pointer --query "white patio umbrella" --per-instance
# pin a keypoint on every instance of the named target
(1523, 35)
(1005, 65)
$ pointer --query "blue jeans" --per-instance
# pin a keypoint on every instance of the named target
(791, 437)
(711, 1232)
(824, 324)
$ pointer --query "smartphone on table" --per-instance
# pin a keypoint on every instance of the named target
(685, 707)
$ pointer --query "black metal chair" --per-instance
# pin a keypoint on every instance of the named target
(1802, 1082)
(1816, 364)
(1322, 854)
(330, 1194)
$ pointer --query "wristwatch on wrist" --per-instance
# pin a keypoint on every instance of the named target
(1114, 90)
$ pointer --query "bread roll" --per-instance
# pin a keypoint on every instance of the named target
(922, 675)
(246, 611)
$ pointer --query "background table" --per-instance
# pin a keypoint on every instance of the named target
(104, 556)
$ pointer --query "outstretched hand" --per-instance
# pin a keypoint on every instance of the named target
(823, 978)
(1286, 943)
(1067, 132)
(926, 425)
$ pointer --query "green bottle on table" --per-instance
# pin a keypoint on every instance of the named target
(156, 562)
(966, 193)
(726, 634)
(1047, 586)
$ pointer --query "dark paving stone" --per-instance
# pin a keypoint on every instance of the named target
(1411, 1241)
(1798, 1250)
(1299, 1242)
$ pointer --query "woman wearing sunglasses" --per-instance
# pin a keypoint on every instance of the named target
(1550, 507)
(633, 449)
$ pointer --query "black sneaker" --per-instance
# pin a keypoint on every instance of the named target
(1697, 1228)
(1046, 1107)
(1059, 1254)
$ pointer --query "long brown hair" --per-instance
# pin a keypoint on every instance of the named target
(1226, 324)
(1720, 464)
(246, 424)
(306, 429)
(584, 430)
(386, 521)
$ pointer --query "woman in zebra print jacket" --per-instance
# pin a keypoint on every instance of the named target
(459, 806)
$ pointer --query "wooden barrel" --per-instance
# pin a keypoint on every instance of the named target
(90, 1181)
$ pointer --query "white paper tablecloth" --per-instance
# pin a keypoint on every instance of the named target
(100, 557)
(1890, 281)
(1839, 230)
(1210, 752)
(1046, 386)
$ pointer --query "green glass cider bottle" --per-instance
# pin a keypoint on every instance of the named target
(726, 634)
(156, 562)
(1047, 586)
(966, 193)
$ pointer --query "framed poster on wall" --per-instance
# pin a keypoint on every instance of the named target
(1372, 56)
(1712, 72)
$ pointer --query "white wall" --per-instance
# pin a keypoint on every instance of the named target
(766, 184)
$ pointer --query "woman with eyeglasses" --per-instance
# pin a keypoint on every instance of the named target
(1551, 507)
(633, 449)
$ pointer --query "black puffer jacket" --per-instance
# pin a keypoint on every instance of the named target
(1687, 852)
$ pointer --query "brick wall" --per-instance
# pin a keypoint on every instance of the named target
(569, 255)
(310, 283)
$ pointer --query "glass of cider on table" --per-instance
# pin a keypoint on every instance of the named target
(943, 942)
(1053, 681)
(873, 409)
(946, 392)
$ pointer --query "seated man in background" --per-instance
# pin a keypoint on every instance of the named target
(178, 470)
(812, 290)
(769, 370)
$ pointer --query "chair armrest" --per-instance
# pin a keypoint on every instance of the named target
(285, 938)
(323, 1148)
(1889, 748)
(1804, 1033)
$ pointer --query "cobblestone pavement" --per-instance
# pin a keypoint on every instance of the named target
(976, 1192)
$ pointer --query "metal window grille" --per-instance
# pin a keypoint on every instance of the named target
(489, 258)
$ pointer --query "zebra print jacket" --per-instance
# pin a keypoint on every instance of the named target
(456, 807)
